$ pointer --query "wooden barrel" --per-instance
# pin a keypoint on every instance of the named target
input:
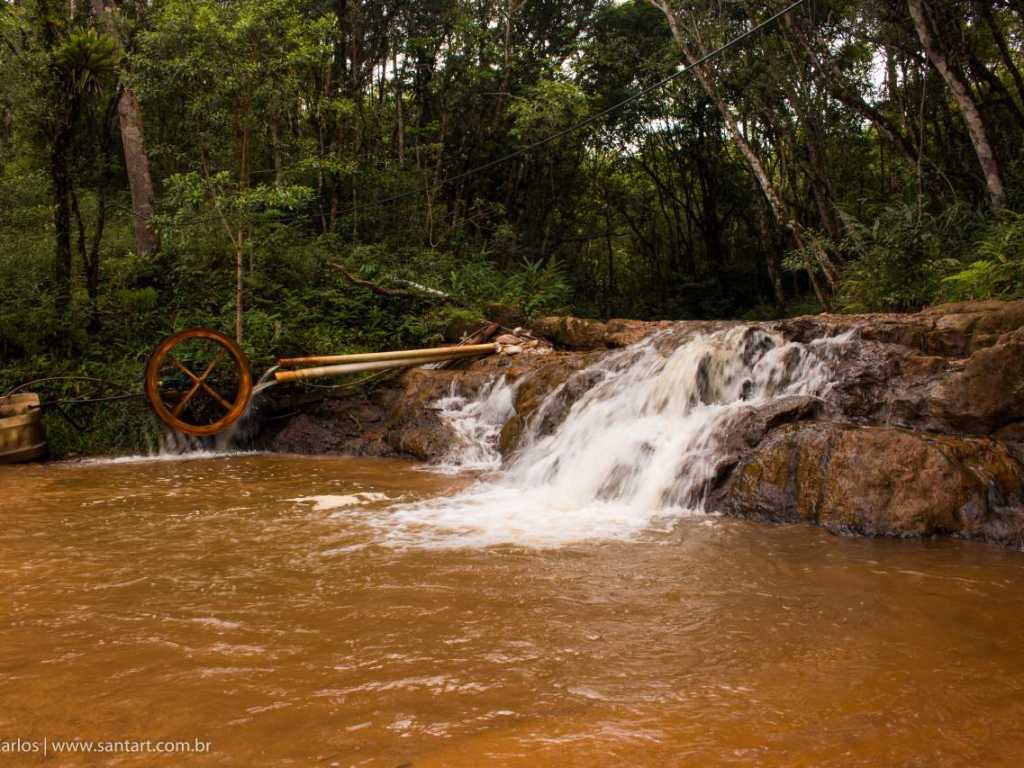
(21, 429)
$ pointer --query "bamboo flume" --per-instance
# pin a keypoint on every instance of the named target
(398, 354)
(375, 361)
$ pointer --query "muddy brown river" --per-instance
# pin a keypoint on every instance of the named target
(286, 612)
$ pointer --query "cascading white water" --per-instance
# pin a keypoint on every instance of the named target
(636, 451)
(476, 422)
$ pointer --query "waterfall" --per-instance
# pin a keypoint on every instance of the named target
(636, 451)
(476, 422)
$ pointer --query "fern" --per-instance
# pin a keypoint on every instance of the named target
(898, 261)
(999, 273)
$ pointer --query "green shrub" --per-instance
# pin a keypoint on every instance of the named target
(898, 261)
(999, 272)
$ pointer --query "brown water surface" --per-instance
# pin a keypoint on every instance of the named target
(254, 602)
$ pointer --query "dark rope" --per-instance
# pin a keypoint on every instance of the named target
(93, 379)
(75, 400)
(85, 401)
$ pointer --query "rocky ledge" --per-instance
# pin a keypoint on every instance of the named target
(922, 433)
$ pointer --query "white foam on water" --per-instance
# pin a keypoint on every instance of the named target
(192, 455)
(476, 423)
(636, 452)
(329, 502)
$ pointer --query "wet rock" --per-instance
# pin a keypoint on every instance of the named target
(306, 434)
(579, 334)
(622, 333)
(880, 481)
(533, 386)
(949, 330)
(967, 327)
(420, 434)
(751, 425)
(949, 369)
(921, 432)
(414, 427)
(351, 425)
(988, 393)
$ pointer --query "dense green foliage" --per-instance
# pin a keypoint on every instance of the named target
(284, 137)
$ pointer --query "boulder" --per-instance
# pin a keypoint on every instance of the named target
(988, 393)
(414, 427)
(956, 368)
(880, 481)
(533, 386)
(578, 334)
(966, 327)
(949, 330)
(350, 425)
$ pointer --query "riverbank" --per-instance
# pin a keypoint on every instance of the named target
(919, 432)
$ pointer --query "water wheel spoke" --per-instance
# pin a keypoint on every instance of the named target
(216, 395)
(186, 399)
(183, 368)
(199, 382)
(213, 364)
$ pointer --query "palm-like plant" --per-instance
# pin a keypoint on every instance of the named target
(87, 62)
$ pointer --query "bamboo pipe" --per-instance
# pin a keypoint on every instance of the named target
(301, 374)
(401, 354)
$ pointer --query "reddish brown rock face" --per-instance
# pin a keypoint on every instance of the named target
(880, 481)
(578, 334)
(921, 434)
(560, 376)
(988, 394)
(414, 427)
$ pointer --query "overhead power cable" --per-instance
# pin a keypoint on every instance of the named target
(568, 130)
(590, 119)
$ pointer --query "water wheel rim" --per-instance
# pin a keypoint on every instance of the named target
(234, 409)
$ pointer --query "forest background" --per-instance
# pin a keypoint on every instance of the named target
(302, 173)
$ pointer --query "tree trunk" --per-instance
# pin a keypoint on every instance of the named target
(965, 101)
(136, 163)
(6, 128)
(136, 158)
(771, 256)
(60, 179)
(996, 86)
(831, 78)
(1004, 50)
(399, 112)
(275, 146)
(771, 193)
(64, 106)
(239, 265)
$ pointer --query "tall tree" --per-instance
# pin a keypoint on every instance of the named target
(688, 39)
(958, 86)
(133, 141)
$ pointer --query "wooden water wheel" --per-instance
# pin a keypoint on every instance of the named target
(198, 381)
